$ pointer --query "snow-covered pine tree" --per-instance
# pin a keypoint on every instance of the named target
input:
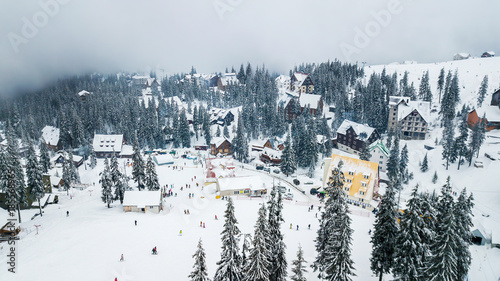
(75, 176)
(435, 177)
(334, 238)
(245, 249)
(44, 157)
(93, 158)
(274, 239)
(258, 264)
(388, 142)
(206, 130)
(461, 141)
(217, 133)
(365, 154)
(425, 164)
(449, 152)
(403, 164)
(240, 145)
(184, 132)
(482, 91)
(151, 176)
(463, 215)
(393, 162)
(412, 249)
(440, 84)
(384, 235)
(138, 167)
(425, 92)
(288, 163)
(66, 174)
(34, 174)
(443, 263)
(229, 266)
(116, 178)
(299, 267)
(106, 185)
(199, 272)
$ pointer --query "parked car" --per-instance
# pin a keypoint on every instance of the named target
(276, 171)
(267, 170)
(259, 167)
(308, 182)
(281, 189)
(313, 191)
(288, 196)
(296, 182)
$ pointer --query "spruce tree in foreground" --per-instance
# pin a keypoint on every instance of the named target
(277, 258)
(482, 91)
(229, 266)
(384, 235)
(12, 181)
(299, 267)
(199, 272)
(93, 158)
(403, 164)
(117, 179)
(66, 175)
(412, 249)
(258, 264)
(333, 243)
(365, 154)
(463, 214)
(447, 243)
(151, 176)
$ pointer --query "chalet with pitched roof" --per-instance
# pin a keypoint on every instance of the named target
(380, 154)
(227, 80)
(50, 136)
(352, 136)
(106, 145)
(301, 83)
(221, 146)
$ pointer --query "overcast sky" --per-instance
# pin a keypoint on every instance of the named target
(43, 40)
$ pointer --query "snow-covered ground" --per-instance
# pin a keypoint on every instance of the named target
(87, 245)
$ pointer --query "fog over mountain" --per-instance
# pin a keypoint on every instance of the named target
(47, 39)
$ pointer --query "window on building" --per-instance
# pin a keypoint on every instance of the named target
(380, 162)
(236, 192)
(363, 184)
(381, 156)
(362, 193)
(351, 173)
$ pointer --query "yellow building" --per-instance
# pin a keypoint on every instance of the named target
(361, 179)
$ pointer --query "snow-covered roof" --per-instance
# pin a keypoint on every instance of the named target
(108, 143)
(358, 128)
(491, 53)
(239, 183)
(218, 141)
(141, 199)
(381, 147)
(83, 93)
(127, 150)
(309, 100)
(282, 80)
(395, 100)
(50, 135)
(163, 159)
(273, 154)
(55, 180)
(492, 112)
(229, 78)
(423, 108)
(301, 77)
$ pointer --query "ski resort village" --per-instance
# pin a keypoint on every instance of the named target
(336, 171)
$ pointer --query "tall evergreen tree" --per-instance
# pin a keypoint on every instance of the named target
(461, 141)
(384, 235)
(258, 264)
(425, 92)
(13, 175)
(288, 163)
(67, 176)
(225, 131)
(440, 84)
(229, 266)
(199, 272)
(463, 214)
(240, 145)
(482, 91)
(299, 267)
(106, 185)
(151, 178)
(412, 250)
(74, 175)
(44, 157)
(425, 164)
(93, 158)
(365, 154)
(138, 167)
(403, 164)
(184, 132)
(443, 262)
(34, 174)
(333, 242)
(477, 138)
(117, 179)
(206, 131)
(277, 258)
(245, 249)
(393, 162)
(449, 153)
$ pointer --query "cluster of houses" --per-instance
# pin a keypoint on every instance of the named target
(464, 56)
